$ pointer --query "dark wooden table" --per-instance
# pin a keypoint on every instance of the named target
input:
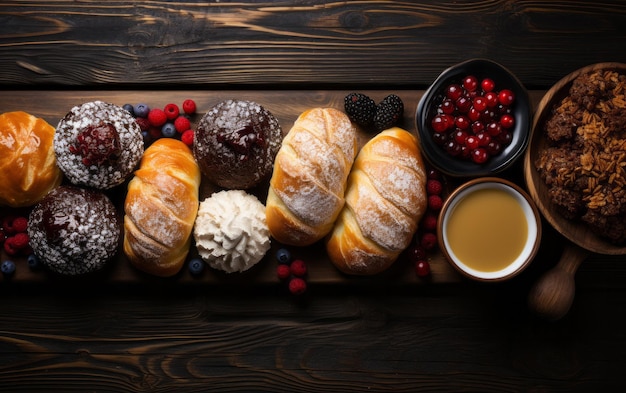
(396, 333)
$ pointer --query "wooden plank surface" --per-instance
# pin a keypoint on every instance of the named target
(296, 43)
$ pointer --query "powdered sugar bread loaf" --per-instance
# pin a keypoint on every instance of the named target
(307, 187)
(385, 199)
(160, 208)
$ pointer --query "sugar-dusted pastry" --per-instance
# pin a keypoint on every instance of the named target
(230, 232)
(98, 144)
(27, 161)
(74, 230)
(235, 144)
(307, 186)
(160, 208)
(385, 199)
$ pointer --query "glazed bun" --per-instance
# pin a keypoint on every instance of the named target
(74, 230)
(235, 144)
(98, 145)
(27, 161)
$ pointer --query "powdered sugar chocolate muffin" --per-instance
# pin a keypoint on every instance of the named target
(235, 144)
(74, 230)
(98, 144)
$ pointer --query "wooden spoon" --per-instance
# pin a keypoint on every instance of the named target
(553, 294)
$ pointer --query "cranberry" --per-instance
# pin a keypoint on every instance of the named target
(507, 121)
(506, 97)
(473, 114)
(487, 84)
(505, 137)
(460, 136)
(494, 129)
(494, 148)
(483, 138)
(440, 138)
(462, 122)
(422, 268)
(480, 103)
(454, 92)
(470, 83)
(453, 148)
(479, 155)
(463, 104)
(439, 123)
(492, 99)
(472, 142)
(447, 106)
(477, 126)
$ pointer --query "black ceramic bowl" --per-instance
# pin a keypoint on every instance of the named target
(427, 109)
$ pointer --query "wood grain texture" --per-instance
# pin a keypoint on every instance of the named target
(296, 43)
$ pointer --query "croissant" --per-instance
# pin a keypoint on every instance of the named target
(385, 199)
(160, 208)
(308, 182)
(27, 160)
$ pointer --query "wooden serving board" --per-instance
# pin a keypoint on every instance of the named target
(286, 106)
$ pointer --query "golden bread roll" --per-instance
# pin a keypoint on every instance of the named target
(309, 177)
(161, 207)
(385, 199)
(27, 160)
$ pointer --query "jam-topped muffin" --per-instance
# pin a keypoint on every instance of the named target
(98, 144)
(74, 230)
(235, 144)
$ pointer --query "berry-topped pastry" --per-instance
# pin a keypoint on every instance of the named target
(98, 144)
(236, 143)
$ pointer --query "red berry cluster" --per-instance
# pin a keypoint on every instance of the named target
(168, 121)
(292, 272)
(13, 235)
(473, 120)
(426, 237)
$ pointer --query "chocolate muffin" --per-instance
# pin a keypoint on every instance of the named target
(74, 230)
(98, 144)
(235, 144)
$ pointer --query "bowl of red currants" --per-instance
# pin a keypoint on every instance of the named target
(474, 120)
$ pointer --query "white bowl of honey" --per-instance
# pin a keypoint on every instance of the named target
(489, 229)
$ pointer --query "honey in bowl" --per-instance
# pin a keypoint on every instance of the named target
(489, 229)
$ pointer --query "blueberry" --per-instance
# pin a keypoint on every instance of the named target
(283, 256)
(141, 110)
(33, 262)
(147, 138)
(129, 108)
(168, 130)
(8, 268)
(196, 266)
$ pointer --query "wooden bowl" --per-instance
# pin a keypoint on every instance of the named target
(553, 294)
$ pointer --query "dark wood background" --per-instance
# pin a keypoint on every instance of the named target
(164, 336)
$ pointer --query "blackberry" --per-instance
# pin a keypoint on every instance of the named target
(388, 112)
(360, 109)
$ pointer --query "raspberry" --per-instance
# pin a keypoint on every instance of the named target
(297, 286)
(187, 137)
(20, 240)
(143, 123)
(155, 132)
(20, 224)
(157, 117)
(434, 187)
(97, 144)
(182, 124)
(189, 107)
(388, 112)
(283, 272)
(422, 268)
(298, 268)
(9, 247)
(435, 202)
(428, 241)
(360, 108)
(171, 111)
(429, 222)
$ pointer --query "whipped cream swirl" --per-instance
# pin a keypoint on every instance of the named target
(231, 232)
